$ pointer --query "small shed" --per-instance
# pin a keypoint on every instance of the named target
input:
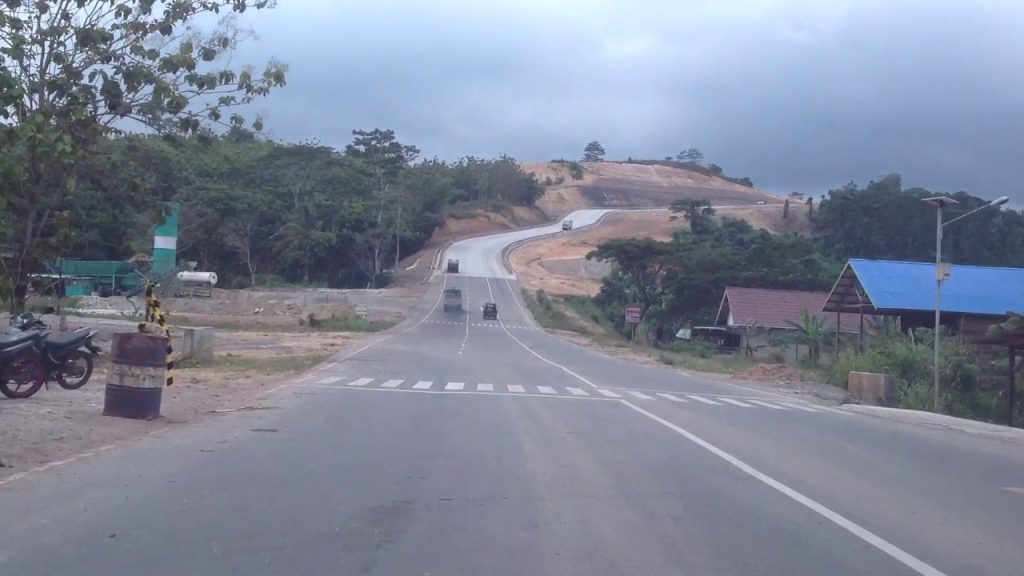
(973, 297)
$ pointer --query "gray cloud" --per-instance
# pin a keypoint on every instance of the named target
(797, 94)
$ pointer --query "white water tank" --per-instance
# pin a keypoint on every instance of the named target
(205, 278)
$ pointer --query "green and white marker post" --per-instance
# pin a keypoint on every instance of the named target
(165, 244)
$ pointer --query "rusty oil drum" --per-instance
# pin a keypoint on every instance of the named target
(135, 382)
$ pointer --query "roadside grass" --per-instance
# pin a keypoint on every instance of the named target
(348, 323)
(581, 315)
(273, 365)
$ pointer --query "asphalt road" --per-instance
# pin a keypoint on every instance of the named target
(458, 446)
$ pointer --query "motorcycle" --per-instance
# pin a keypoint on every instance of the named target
(22, 370)
(62, 356)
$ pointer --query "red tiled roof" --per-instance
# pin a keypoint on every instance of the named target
(772, 309)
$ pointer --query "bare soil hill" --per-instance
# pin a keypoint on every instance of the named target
(622, 185)
(558, 265)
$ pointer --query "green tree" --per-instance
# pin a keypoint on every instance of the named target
(302, 237)
(593, 152)
(691, 156)
(810, 332)
(72, 72)
(642, 262)
(696, 211)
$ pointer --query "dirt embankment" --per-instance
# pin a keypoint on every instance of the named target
(620, 185)
(460, 224)
(559, 266)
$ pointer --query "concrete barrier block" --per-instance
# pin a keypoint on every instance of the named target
(871, 388)
(196, 343)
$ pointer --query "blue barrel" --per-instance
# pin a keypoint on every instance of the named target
(138, 371)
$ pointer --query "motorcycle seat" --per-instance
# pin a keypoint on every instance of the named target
(65, 340)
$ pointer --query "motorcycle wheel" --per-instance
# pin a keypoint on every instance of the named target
(75, 371)
(24, 377)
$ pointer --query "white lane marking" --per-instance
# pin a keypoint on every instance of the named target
(329, 380)
(639, 395)
(392, 384)
(423, 385)
(485, 387)
(797, 406)
(360, 382)
(671, 397)
(546, 390)
(734, 402)
(577, 391)
(455, 386)
(607, 393)
(304, 378)
(516, 388)
(835, 410)
(462, 393)
(766, 405)
(857, 530)
(703, 400)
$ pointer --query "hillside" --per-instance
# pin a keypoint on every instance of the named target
(620, 185)
(559, 266)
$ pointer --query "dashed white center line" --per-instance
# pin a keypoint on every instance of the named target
(671, 397)
(607, 393)
(485, 387)
(703, 400)
(577, 391)
(766, 405)
(330, 380)
(392, 384)
(639, 395)
(455, 386)
(422, 385)
(735, 402)
(516, 388)
(546, 390)
(360, 382)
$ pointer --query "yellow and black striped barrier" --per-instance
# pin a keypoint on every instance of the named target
(155, 315)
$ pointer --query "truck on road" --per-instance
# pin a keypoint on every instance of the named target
(452, 300)
(566, 225)
(453, 266)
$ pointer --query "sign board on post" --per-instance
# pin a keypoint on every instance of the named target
(633, 314)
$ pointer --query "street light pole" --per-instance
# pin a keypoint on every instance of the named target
(938, 300)
(941, 202)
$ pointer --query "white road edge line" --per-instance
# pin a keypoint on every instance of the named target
(734, 402)
(451, 392)
(897, 553)
(671, 397)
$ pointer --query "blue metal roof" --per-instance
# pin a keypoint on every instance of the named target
(968, 289)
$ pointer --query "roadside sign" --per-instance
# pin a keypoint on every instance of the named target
(633, 314)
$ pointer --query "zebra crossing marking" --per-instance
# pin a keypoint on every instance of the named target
(577, 392)
(639, 395)
(671, 397)
(703, 400)
(767, 405)
(736, 402)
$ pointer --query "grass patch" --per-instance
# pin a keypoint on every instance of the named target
(262, 365)
(550, 312)
(351, 323)
(714, 363)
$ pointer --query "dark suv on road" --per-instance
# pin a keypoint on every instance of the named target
(490, 311)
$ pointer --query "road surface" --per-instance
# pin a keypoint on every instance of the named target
(458, 446)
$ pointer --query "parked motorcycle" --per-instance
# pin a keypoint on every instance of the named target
(22, 369)
(63, 357)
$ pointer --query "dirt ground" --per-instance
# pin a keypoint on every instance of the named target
(56, 424)
(612, 184)
(559, 266)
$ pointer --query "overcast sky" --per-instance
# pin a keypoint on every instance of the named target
(796, 94)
